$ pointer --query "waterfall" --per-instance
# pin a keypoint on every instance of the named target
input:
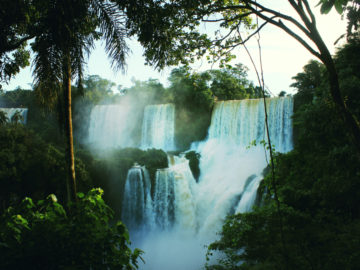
(185, 188)
(164, 199)
(172, 201)
(111, 126)
(242, 121)
(248, 197)
(10, 112)
(158, 127)
(137, 208)
(187, 215)
(227, 159)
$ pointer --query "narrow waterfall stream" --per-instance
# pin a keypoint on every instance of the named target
(176, 218)
(137, 202)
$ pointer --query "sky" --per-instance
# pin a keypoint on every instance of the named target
(282, 57)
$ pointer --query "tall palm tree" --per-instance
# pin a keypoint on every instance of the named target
(68, 31)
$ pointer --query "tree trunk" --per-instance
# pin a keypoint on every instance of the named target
(69, 132)
(349, 119)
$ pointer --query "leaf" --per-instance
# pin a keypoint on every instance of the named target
(326, 6)
(51, 198)
(339, 6)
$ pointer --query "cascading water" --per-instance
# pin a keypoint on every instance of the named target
(158, 127)
(248, 197)
(10, 112)
(173, 220)
(137, 207)
(187, 215)
(111, 126)
(243, 121)
(164, 199)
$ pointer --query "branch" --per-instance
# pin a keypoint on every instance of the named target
(308, 9)
(10, 47)
(257, 31)
(261, 9)
(281, 25)
(300, 10)
(277, 14)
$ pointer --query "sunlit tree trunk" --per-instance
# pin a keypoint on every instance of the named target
(69, 131)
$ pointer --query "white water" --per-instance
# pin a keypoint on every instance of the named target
(158, 127)
(11, 111)
(240, 122)
(137, 207)
(248, 197)
(164, 199)
(173, 224)
(111, 126)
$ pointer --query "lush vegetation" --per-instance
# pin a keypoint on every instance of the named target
(45, 235)
(317, 223)
(30, 167)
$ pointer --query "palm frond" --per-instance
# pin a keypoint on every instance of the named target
(112, 22)
(47, 71)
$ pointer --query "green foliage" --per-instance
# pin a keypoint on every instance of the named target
(327, 5)
(31, 167)
(3, 118)
(348, 66)
(232, 83)
(308, 83)
(193, 102)
(350, 8)
(171, 34)
(16, 27)
(95, 90)
(44, 235)
(282, 93)
(17, 98)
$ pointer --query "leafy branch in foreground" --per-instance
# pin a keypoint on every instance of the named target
(46, 236)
